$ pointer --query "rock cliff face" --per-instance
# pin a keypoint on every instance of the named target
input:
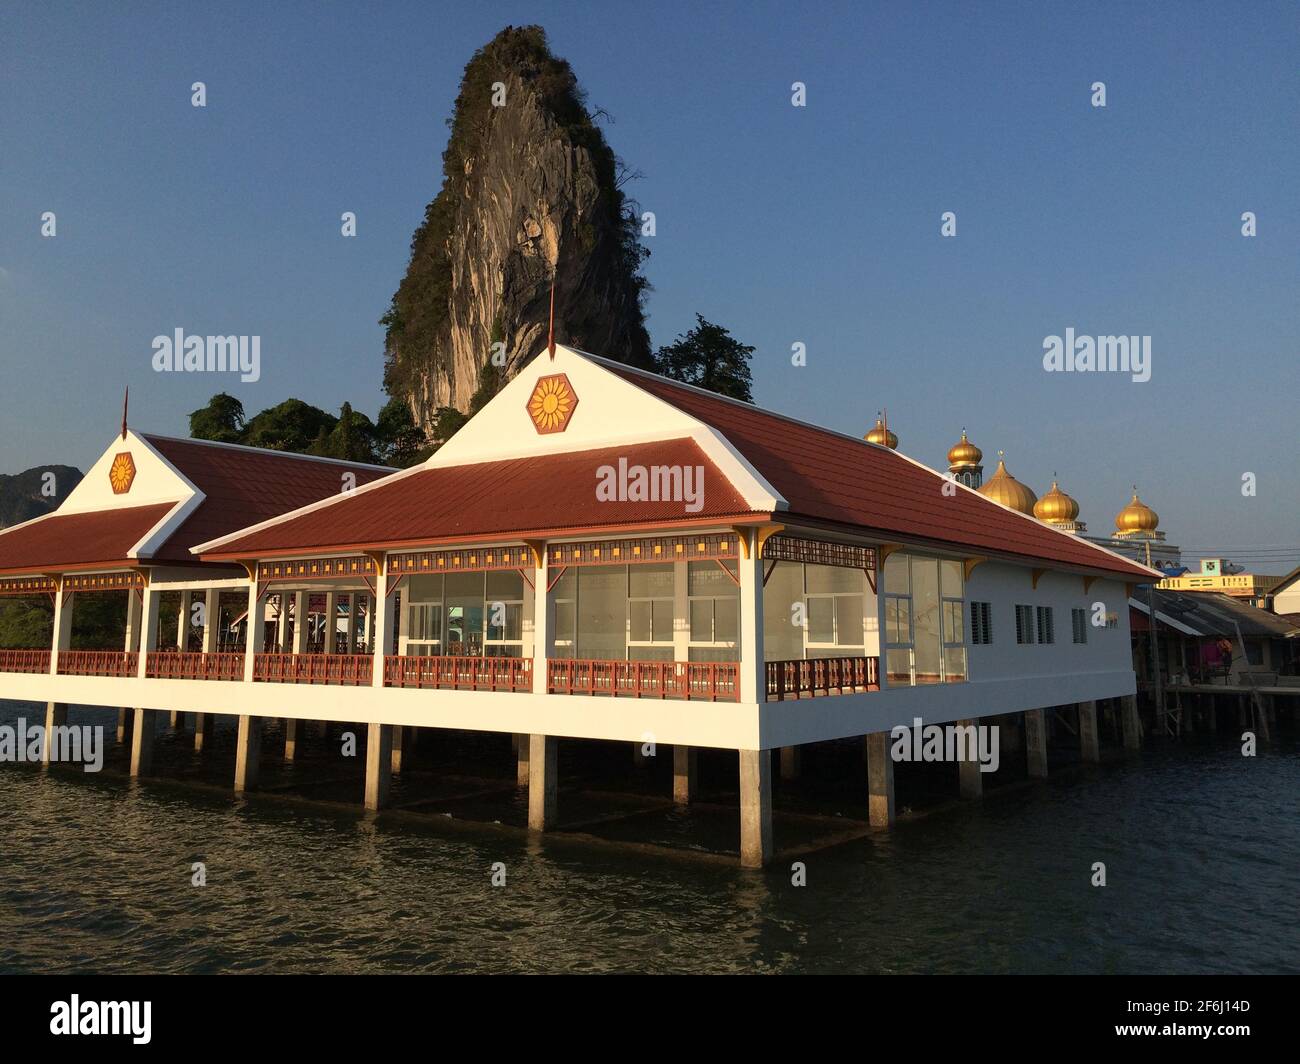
(22, 495)
(530, 193)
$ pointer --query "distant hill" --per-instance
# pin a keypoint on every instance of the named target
(22, 497)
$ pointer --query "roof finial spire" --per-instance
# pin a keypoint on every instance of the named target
(126, 398)
(550, 335)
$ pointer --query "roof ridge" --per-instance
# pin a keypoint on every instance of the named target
(269, 451)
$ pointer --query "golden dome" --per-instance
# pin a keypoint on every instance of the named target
(1004, 488)
(964, 453)
(1056, 507)
(881, 435)
(1137, 516)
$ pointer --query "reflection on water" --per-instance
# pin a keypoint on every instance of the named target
(1202, 851)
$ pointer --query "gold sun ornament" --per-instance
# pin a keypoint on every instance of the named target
(552, 403)
(121, 474)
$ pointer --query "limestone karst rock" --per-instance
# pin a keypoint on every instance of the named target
(530, 192)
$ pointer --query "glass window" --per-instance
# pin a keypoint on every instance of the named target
(833, 580)
(782, 638)
(713, 605)
(602, 612)
(927, 638)
(821, 619)
(848, 620)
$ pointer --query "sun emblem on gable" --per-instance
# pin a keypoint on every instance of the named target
(552, 403)
(121, 474)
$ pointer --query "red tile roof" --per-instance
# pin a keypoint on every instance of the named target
(64, 541)
(828, 476)
(511, 497)
(245, 486)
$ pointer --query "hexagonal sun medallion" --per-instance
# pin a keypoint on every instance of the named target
(121, 474)
(552, 403)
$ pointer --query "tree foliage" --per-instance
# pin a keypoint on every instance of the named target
(708, 357)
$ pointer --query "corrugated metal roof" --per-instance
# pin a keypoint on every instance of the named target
(1210, 613)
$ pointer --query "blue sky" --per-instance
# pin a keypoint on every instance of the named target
(817, 225)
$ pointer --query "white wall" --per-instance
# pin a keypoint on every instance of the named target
(1004, 586)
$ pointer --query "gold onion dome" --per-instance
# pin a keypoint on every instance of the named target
(881, 435)
(1137, 516)
(1056, 507)
(965, 453)
(1004, 488)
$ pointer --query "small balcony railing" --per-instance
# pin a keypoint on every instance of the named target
(98, 662)
(175, 665)
(24, 661)
(708, 681)
(821, 676)
(347, 670)
(459, 673)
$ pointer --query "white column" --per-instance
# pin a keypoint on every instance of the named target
(542, 647)
(331, 621)
(379, 621)
(301, 622)
(364, 621)
(254, 628)
(681, 612)
(752, 681)
(685, 773)
(133, 641)
(211, 620)
(148, 632)
(62, 637)
(183, 623)
(282, 631)
(350, 627)
(248, 753)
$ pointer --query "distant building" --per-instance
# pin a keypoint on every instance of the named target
(1214, 576)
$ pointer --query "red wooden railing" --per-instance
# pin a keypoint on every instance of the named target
(24, 661)
(459, 673)
(711, 681)
(348, 670)
(174, 665)
(98, 662)
(821, 676)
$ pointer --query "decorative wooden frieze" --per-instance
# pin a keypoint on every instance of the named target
(466, 560)
(356, 566)
(104, 581)
(28, 585)
(819, 552)
(711, 547)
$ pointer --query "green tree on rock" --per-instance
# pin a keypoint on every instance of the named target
(708, 357)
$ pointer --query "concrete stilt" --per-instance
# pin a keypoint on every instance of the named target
(880, 781)
(1010, 735)
(56, 716)
(685, 768)
(379, 765)
(124, 721)
(543, 764)
(295, 731)
(203, 724)
(403, 747)
(1036, 742)
(144, 725)
(755, 808)
(1132, 724)
(971, 778)
(1089, 736)
(522, 744)
(791, 762)
(639, 759)
(248, 753)
(176, 720)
